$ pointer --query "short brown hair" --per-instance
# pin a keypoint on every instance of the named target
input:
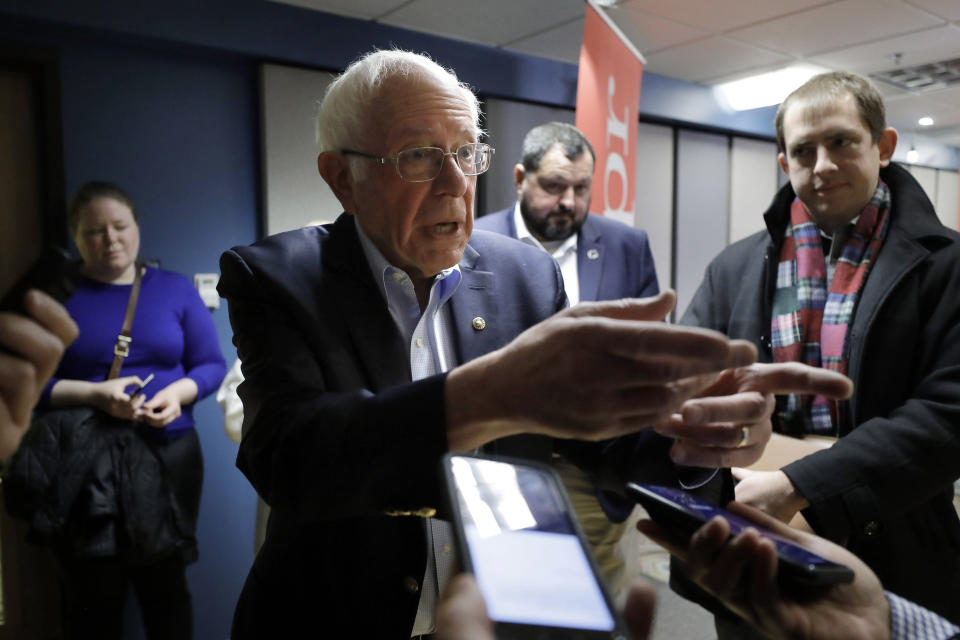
(90, 192)
(828, 87)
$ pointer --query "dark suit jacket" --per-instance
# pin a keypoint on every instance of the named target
(886, 487)
(344, 446)
(613, 259)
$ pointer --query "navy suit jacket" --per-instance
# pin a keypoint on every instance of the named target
(345, 447)
(613, 259)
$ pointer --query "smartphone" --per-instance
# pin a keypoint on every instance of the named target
(518, 535)
(799, 570)
(54, 273)
(139, 389)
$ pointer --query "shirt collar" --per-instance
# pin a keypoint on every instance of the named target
(381, 268)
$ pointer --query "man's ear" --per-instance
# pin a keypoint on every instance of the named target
(782, 159)
(335, 171)
(519, 173)
(887, 144)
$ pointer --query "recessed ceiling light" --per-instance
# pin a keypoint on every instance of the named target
(765, 89)
(925, 121)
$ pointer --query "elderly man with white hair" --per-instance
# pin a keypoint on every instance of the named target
(373, 345)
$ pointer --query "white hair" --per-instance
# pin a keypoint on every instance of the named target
(342, 117)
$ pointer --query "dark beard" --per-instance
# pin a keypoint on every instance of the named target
(549, 229)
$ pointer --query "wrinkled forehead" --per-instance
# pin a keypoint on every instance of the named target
(411, 102)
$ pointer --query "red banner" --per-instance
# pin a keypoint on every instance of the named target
(608, 98)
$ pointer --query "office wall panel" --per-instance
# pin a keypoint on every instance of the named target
(928, 180)
(753, 183)
(655, 194)
(948, 198)
(294, 193)
(703, 170)
(507, 121)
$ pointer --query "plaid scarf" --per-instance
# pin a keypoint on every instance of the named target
(809, 322)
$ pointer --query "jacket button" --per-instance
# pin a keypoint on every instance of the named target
(871, 528)
(411, 585)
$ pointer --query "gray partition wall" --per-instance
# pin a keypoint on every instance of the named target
(294, 193)
(655, 194)
(702, 218)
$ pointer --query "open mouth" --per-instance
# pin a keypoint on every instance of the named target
(445, 228)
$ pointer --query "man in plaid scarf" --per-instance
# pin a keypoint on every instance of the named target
(855, 273)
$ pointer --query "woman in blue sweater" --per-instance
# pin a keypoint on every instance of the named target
(175, 341)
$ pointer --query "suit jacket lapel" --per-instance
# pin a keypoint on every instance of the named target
(474, 309)
(590, 258)
(371, 330)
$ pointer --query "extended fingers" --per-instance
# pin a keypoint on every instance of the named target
(794, 377)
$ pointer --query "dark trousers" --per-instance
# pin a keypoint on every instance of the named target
(95, 589)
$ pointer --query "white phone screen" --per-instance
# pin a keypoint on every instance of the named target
(527, 558)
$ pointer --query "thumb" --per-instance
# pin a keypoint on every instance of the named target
(739, 473)
(651, 309)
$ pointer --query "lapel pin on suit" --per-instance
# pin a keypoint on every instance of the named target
(479, 323)
(593, 254)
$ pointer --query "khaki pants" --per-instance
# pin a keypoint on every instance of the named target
(602, 534)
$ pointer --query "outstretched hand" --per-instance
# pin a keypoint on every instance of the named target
(594, 371)
(728, 424)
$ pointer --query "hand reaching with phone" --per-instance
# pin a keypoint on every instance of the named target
(728, 424)
(30, 349)
(741, 572)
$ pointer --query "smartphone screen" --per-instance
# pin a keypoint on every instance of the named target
(526, 551)
(684, 513)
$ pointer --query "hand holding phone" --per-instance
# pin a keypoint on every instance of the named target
(682, 513)
(516, 532)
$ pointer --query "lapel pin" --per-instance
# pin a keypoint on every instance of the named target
(593, 254)
(479, 323)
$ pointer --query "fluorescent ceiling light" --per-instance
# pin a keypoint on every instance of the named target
(765, 89)
(925, 121)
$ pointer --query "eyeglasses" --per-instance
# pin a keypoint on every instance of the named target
(423, 164)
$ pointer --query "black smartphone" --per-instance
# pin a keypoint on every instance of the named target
(517, 533)
(799, 570)
(53, 272)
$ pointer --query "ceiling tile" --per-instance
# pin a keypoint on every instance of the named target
(948, 9)
(648, 33)
(561, 43)
(493, 22)
(705, 14)
(904, 111)
(837, 26)
(711, 58)
(369, 9)
(929, 45)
